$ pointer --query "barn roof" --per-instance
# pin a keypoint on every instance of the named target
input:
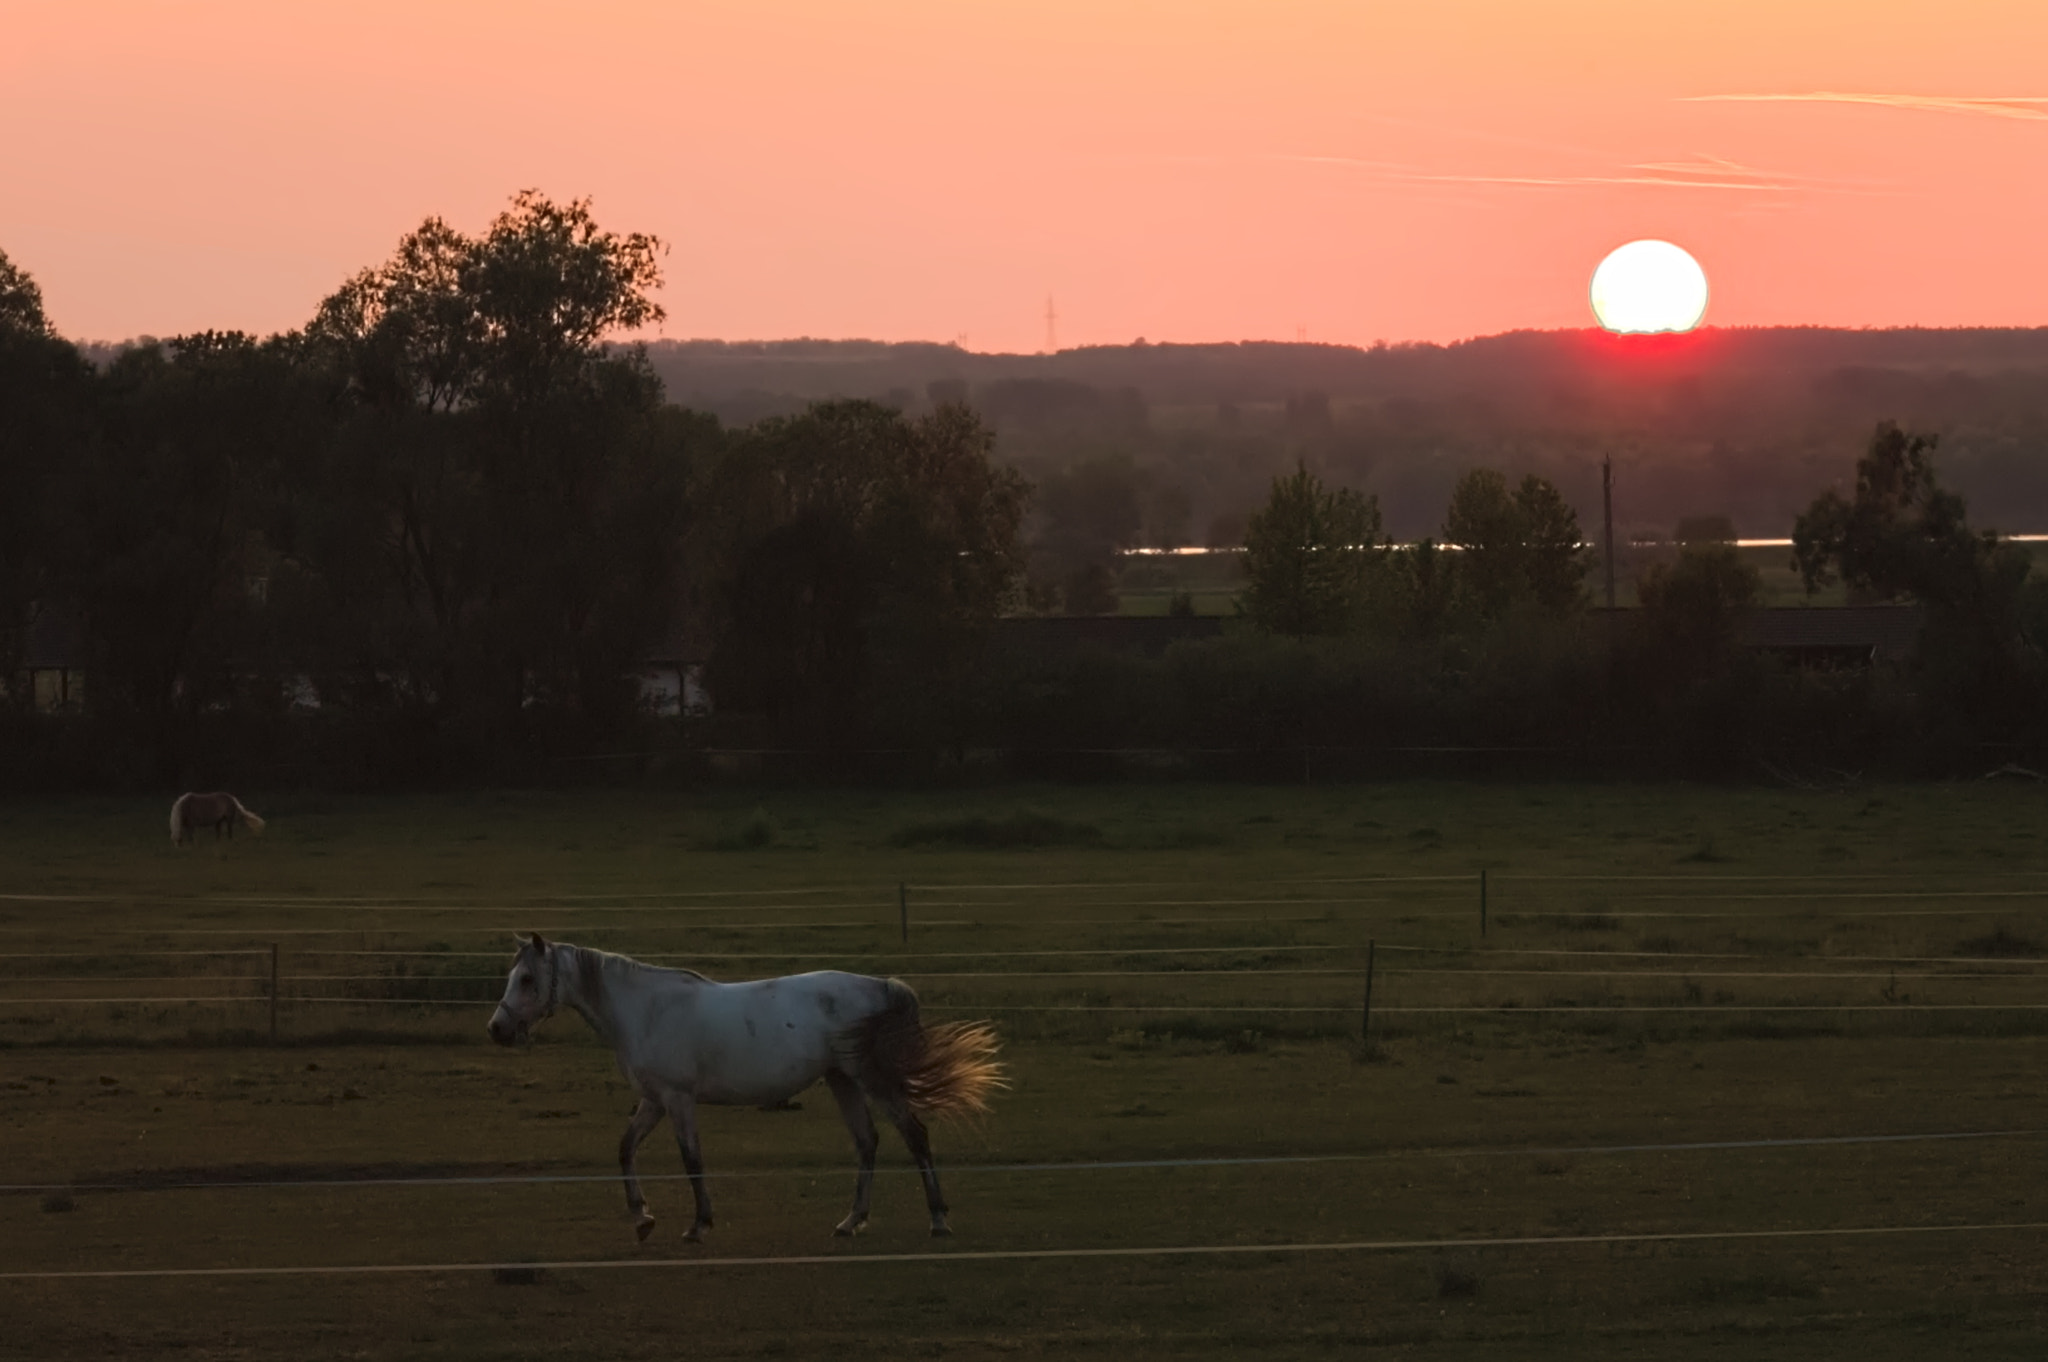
(1883, 633)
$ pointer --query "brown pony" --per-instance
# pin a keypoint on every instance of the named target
(218, 811)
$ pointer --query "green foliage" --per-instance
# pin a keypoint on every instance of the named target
(1691, 608)
(1519, 545)
(1310, 554)
(1422, 590)
(854, 544)
(1089, 513)
(1904, 535)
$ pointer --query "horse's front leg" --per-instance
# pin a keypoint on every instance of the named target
(646, 1117)
(861, 1125)
(683, 1112)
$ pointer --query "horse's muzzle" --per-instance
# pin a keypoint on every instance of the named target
(505, 1030)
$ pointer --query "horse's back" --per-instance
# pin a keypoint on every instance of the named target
(764, 1039)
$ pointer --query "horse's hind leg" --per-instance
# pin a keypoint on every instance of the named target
(853, 1108)
(682, 1110)
(920, 1143)
(646, 1117)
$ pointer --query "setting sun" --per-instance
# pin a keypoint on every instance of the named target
(1649, 286)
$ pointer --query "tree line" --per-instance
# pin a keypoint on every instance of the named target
(434, 532)
(450, 518)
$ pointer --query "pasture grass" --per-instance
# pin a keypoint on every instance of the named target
(1438, 1126)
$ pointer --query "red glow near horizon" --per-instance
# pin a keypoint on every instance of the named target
(905, 169)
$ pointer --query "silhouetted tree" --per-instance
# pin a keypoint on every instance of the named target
(1691, 609)
(858, 545)
(1089, 514)
(496, 528)
(1902, 535)
(21, 302)
(1309, 556)
(510, 316)
(157, 523)
(46, 392)
(1516, 546)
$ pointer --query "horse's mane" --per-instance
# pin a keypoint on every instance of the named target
(591, 959)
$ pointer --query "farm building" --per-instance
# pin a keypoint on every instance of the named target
(51, 671)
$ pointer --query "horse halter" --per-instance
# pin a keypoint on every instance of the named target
(547, 1007)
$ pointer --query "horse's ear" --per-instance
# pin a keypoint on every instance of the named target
(539, 944)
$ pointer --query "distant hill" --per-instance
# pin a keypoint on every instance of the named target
(1746, 423)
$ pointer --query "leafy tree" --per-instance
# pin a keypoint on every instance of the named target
(1516, 545)
(1309, 557)
(1691, 609)
(1903, 535)
(157, 520)
(46, 391)
(495, 531)
(511, 316)
(1422, 591)
(21, 302)
(1089, 513)
(858, 545)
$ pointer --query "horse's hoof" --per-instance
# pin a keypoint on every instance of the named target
(849, 1227)
(695, 1234)
(643, 1228)
(941, 1230)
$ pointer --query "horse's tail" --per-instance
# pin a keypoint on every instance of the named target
(253, 823)
(178, 819)
(944, 1070)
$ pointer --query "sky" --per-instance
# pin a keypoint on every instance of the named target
(1183, 170)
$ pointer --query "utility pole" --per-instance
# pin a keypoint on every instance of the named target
(1607, 512)
(1052, 337)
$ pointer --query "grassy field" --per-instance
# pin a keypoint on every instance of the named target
(1675, 1061)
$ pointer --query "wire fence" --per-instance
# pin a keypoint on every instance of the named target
(146, 1182)
(1289, 942)
(956, 1257)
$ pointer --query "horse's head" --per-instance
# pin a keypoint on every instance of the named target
(530, 992)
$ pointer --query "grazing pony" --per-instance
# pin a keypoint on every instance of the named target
(191, 812)
(681, 1039)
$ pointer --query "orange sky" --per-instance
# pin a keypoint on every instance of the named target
(1176, 169)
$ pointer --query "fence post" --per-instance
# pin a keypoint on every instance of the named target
(903, 908)
(1365, 1025)
(273, 993)
(1482, 903)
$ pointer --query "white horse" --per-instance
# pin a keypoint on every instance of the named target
(681, 1039)
(218, 811)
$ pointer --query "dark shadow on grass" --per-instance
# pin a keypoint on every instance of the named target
(338, 1174)
(2001, 944)
(1018, 830)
